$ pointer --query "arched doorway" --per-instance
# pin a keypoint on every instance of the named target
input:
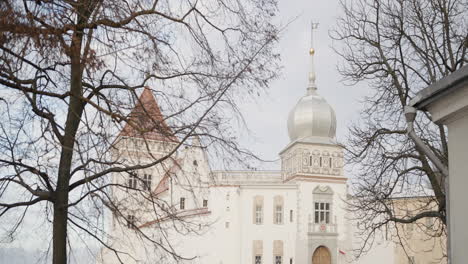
(321, 256)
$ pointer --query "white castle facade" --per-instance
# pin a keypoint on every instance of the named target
(295, 215)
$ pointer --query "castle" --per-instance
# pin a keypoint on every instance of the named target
(294, 215)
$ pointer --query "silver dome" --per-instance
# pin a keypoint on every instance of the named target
(312, 120)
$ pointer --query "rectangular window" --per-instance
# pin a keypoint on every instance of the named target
(279, 214)
(182, 203)
(290, 261)
(132, 181)
(330, 162)
(258, 259)
(205, 203)
(131, 221)
(258, 214)
(227, 224)
(386, 232)
(322, 213)
(147, 182)
(291, 216)
(278, 260)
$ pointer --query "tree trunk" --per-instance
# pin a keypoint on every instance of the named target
(60, 227)
(74, 113)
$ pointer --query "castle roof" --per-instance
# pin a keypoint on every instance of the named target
(146, 120)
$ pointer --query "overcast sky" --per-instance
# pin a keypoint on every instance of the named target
(267, 118)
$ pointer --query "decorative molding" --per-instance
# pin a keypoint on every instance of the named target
(322, 190)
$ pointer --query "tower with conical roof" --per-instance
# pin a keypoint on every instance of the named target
(146, 120)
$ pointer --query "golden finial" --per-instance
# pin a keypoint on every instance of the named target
(312, 27)
(312, 86)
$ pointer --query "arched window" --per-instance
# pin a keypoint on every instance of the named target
(257, 251)
(258, 210)
(278, 252)
(278, 208)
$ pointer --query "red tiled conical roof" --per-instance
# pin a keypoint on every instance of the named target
(146, 120)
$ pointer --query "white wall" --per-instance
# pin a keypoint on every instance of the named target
(268, 231)
(458, 181)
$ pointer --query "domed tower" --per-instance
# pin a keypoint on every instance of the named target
(313, 160)
(313, 150)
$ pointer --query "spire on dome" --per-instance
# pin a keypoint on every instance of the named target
(146, 120)
(312, 86)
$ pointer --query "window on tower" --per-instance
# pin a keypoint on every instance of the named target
(132, 181)
(182, 203)
(147, 182)
(131, 221)
(322, 213)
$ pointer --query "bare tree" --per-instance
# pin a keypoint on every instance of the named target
(70, 74)
(398, 48)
